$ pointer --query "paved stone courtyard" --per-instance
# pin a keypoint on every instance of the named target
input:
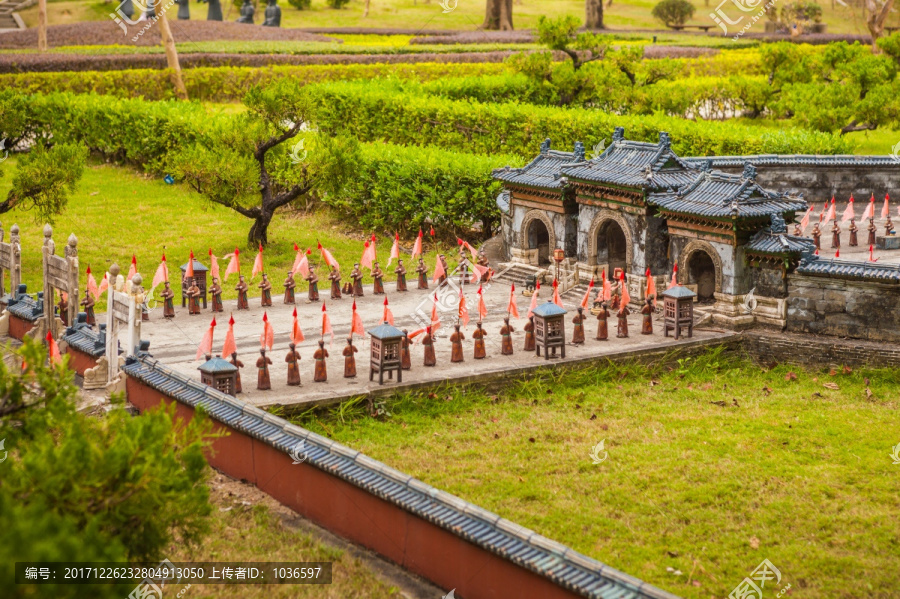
(175, 341)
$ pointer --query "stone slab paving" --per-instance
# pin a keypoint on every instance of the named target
(175, 341)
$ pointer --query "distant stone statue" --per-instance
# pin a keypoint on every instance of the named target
(184, 10)
(150, 13)
(273, 15)
(246, 13)
(214, 13)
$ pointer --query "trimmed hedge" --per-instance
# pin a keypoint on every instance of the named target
(377, 111)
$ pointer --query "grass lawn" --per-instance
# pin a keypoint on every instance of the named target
(117, 211)
(692, 496)
(468, 14)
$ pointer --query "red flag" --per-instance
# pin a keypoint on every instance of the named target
(356, 323)
(463, 309)
(368, 256)
(417, 248)
(556, 299)
(189, 272)
(674, 280)
(213, 265)
(229, 347)
(830, 215)
(586, 300)
(205, 346)
(234, 265)
(886, 209)
(301, 263)
(267, 339)
(478, 271)
(258, 263)
(837, 253)
(872, 257)
(607, 288)
(849, 212)
(92, 284)
(651, 286)
(869, 212)
(435, 319)
(296, 333)
(511, 307)
(432, 233)
(132, 270)
(395, 249)
(104, 284)
(805, 222)
(482, 308)
(534, 299)
(626, 299)
(327, 257)
(55, 356)
(468, 247)
(326, 323)
(388, 316)
(438, 271)
(162, 273)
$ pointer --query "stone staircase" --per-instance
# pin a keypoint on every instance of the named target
(9, 19)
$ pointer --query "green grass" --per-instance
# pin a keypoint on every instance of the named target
(116, 212)
(796, 473)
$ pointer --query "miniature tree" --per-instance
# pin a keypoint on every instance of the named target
(44, 179)
(673, 12)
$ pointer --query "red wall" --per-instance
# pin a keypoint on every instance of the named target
(350, 512)
(18, 327)
(80, 361)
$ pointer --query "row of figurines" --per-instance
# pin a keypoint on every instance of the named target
(853, 242)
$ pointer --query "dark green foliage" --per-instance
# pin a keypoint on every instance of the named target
(338, 3)
(44, 180)
(79, 488)
(802, 11)
(300, 4)
(673, 12)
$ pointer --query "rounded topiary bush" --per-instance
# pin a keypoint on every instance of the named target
(673, 12)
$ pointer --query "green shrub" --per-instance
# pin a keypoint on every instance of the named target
(673, 12)
(801, 12)
(300, 4)
(338, 3)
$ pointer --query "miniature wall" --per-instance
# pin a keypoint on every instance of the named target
(843, 307)
(80, 361)
(18, 327)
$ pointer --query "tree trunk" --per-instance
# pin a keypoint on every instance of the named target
(259, 232)
(168, 43)
(593, 14)
(498, 15)
(875, 20)
(42, 26)
(366, 10)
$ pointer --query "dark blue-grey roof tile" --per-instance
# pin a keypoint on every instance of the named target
(26, 308)
(766, 242)
(886, 273)
(797, 160)
(543, 171)
(85, 339)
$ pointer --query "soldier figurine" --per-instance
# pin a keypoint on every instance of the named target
(320, 373)
(265, 286)
(405, 358)
(463, 266)
(215, 292)
(529, 334)
(242, 303)
(647, 311)
(602, 325)
(456, 339)
(478, 336)
(63, 309)
(289, 285)
(357, 277)
(835, 235)
(88, 303)
(483, 261)
(623, 321)
(443, 278)
(378, 275)
(350, 359)
(423, 274)
(817, 236)
(293, 362)
(401, 275)
(506, 346)
(262, 366)
(237, 364)
(797, 231)
(168, 301)
(428, 344)
(335, 277)
(313, 279)
(578, 332)
(872, 230)
(853, 229)
(193, 293)
(888, 227)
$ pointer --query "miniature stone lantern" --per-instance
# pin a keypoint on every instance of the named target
(219, 374)
(549, 329)
(199, 276)
(678, 310)
(385, 355)
(558, 256)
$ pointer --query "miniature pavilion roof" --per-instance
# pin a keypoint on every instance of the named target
(503, 201)
(721, 195)
(634, 164)
(548, 309)
(85, 339)
(217, 365)
(767, 242)
(795, 160)
(567, 568)
(197, 266)
(679, 292)
(26, 308)
(544, 170)
(873, 271)
(386, 331)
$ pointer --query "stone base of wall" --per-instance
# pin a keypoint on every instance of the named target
(728, 311)
(767, 345)
(520, 256)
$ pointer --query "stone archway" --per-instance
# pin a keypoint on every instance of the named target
(537, 235)
(694, 264)
(608, 233)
